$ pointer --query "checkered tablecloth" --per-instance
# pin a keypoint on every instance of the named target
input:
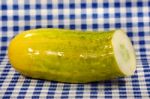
(131, 15)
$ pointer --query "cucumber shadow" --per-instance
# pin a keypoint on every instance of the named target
(109, 85)
(105, 86)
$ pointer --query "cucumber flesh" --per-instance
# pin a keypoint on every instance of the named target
(124, 53)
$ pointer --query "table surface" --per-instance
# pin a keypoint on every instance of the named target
(131, 15)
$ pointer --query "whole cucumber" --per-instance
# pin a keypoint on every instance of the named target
(72, 56)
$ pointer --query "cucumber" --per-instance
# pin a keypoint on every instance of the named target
(72, 56)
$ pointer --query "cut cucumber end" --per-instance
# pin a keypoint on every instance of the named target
(124, 53)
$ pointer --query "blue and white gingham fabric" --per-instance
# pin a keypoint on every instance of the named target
(131, 15)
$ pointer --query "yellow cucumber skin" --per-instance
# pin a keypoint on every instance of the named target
(70, 56)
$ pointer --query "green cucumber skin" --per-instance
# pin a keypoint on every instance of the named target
(65, 55)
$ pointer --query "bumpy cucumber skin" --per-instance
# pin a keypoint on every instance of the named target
(64, 55)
